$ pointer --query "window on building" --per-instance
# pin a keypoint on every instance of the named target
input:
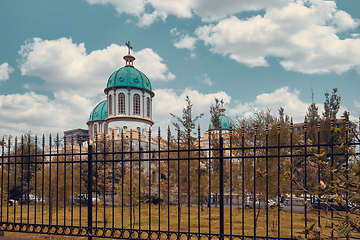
(136, 104)
(110, 104)
(121, 102)
(147, 107)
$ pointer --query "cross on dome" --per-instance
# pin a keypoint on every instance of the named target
(129, 59)
(129, 46)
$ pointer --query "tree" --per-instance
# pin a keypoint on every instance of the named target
(25, 156)
(312, 117)
(185, 178)
(331, 108)
(331, 105)
(339, 191)
(186, 121)
(215, 113)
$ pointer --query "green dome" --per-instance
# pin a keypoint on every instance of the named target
(128, 76)
(99, 113)
(225, 123)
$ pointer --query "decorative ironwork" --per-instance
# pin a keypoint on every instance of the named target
(133, 186)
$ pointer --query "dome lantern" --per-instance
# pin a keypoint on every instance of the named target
(225, 122)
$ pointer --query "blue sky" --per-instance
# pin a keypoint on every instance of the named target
(56, 57)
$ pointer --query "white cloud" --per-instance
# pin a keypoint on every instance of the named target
(357, 104)
(205, 79)
(282, 97)
(149, 18)
(343, 21)
(215, 10)
(66, 66)
(186, 42)
(133, 7)
(5, 70)
(301, 33)
(152, 64)
(303, 37)
(207, 10)
(181, 9)
(30, 111)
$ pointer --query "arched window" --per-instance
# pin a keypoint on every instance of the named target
(147, 107)
(121, 102)
(110, 104)
(136, 104)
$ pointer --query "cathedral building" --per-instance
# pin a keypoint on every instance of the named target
(128, 104)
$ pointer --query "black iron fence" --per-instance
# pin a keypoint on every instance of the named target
(256, 183)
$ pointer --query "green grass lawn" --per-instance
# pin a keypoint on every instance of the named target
(165, 218)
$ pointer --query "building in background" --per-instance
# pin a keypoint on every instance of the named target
(79, 136)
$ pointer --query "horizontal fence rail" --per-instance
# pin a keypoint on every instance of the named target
(239, 184)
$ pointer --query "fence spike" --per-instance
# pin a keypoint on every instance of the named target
(242, 129)
(278, 127)
(231, 130)
(199, 134)
(139, 135)
(291, 126)
(318, 125)
(256, 126)
(178, 133)
(305, 125)
(267, 127)
(188, 132)
(64, 140)
(149, 134)
(168, 133)
(332, 124)
(122, 134)
(72, 139)
(220, 129)
(131, 134)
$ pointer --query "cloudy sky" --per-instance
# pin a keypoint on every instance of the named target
(56, 57)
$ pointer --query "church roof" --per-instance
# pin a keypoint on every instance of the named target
(225, 123)
(99, 113)
(224, 120)
(129, 76)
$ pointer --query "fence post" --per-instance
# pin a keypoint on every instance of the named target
(221, 184)
(90, 183)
